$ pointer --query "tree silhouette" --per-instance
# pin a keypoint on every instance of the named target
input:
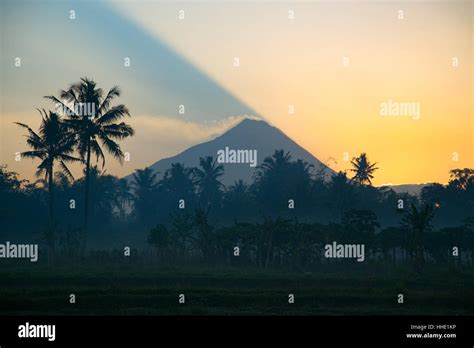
(272, 183)
(301, 183)
(340, 195)
(90, 127)
(178, 182)
(205, 233)
(237, 200)
(52, 143)
(181, 232)
(276, 163)
(389, 239)
(175, 191)
(160, 238)
(144, 186)
(419, 222)
(123, 196)
(9, 181)
(462, 179)
(103, 193)
(363, 170)
(62, 181)
(360, 226)
(206, 177)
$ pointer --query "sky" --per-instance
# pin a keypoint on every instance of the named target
(325, 73)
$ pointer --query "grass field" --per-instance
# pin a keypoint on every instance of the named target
(148, 290)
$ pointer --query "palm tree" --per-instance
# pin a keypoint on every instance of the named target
(363, 170)
(52, 143)
(279, 162)
(123, 196)
(144, 186)
(207, 180)
(271, 185)
(145, 179)
(238, 202)
(301, 180)
(419, 222)
(98, 124)
(341, 195)
(237, 194)
(178, 181)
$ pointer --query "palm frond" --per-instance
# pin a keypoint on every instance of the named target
(113, 114)
(112, 147)
(71, 113)
(98, 151)
(33, 154)
(113, 92)
(118, 131)
(68, 158)
(66, 170)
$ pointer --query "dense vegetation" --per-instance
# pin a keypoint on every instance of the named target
(283, 218)
(239, 249)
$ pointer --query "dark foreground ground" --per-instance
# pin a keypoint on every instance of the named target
(152, 290)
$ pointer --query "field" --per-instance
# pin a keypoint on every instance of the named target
(133, 289)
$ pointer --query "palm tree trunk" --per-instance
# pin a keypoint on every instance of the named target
(51, 207)
(86, 199)
(51, 194)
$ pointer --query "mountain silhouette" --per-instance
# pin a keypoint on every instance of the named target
(249, 134)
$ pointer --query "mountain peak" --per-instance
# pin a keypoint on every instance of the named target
(251, 122)
(250, 128)
(249, 134)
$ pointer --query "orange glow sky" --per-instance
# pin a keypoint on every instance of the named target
(299, 62)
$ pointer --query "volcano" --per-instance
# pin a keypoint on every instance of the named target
(248, 136)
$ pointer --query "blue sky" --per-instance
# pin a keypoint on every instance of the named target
(56, 51)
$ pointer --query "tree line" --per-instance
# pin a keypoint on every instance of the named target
(282, 217)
